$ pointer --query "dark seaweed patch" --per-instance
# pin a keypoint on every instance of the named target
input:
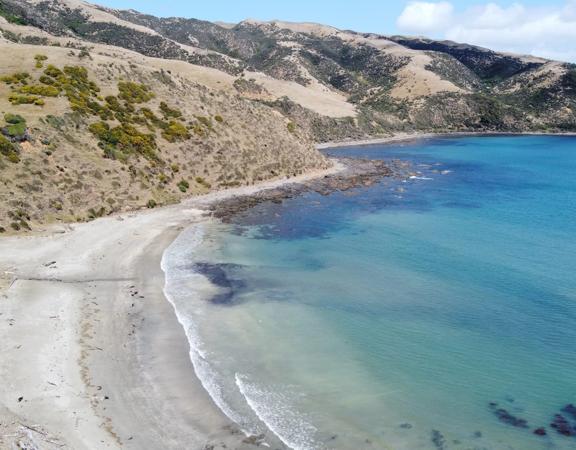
(220, 275)
(506, 417)
(438, 440)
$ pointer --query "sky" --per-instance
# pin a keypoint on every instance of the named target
(537, 27)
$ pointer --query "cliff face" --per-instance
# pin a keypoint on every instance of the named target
(146, 110)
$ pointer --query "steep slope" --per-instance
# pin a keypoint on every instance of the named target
(85, 134)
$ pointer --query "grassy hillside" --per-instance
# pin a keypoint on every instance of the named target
(84, 135)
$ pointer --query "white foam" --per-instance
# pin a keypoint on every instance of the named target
(275, 409)
(173, 260)
(254, 409)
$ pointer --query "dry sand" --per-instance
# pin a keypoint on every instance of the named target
(93, 356)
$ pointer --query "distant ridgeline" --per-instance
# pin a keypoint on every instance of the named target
(395, 83)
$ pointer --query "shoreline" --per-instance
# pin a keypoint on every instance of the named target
(93, 353)
(407, 137)
(93, 349)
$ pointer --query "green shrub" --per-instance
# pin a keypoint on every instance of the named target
(183, 185)
(37, 89)
(53, 71)
(40, 60)
(291, 127)
(16, 127)
(18, 99)
(219, 119)
(9, 150)
(151, 204)
(17, 78)
(201, 181)
(126, 139)
(134, 92)
(175, 131)
(169, 112)
(205, 121)
(96, 213)
(13, 118)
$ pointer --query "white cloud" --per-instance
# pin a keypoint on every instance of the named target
(542, 31)
(425, 17)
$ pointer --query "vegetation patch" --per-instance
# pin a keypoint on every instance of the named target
(134, 92)
(175, 132)
(118, 142)
(40, 60)
(15, 127)
(124, 140)
(38, 89)
(11, 17)
(183, 185)
(16, 78)
(202, 182)
(9, 150)
(19, 99)
(169, 112)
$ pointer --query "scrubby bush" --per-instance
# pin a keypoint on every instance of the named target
(19, 99)
(17, 78)
(151, 204)
(134, 92)
(168, 112)
(9, 150)
(291, 127)
(16, 127)
(37, 89)
(201, 181)
(175, 131)
(205, 121)
(183, 185)
(96, 213)
(218, 119)
(126, 139)
(40, 60)
(53, 71)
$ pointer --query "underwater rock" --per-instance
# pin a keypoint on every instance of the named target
(570, 409)
(438, 440)
(358, 173)
(406, 426)
(540, 431)
(562, 426)
(508, 418)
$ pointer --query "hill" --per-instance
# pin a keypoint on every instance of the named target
(105, 110)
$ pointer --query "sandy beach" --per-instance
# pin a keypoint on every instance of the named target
(92, 353)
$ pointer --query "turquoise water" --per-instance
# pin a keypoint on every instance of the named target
(399, 316)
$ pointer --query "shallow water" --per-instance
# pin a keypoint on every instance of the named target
(391, 317)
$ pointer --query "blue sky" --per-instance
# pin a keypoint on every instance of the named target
(540, 27)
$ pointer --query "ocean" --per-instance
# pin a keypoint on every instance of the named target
(436, 312)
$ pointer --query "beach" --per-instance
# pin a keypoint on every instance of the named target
(94, 356)
(92, 353)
